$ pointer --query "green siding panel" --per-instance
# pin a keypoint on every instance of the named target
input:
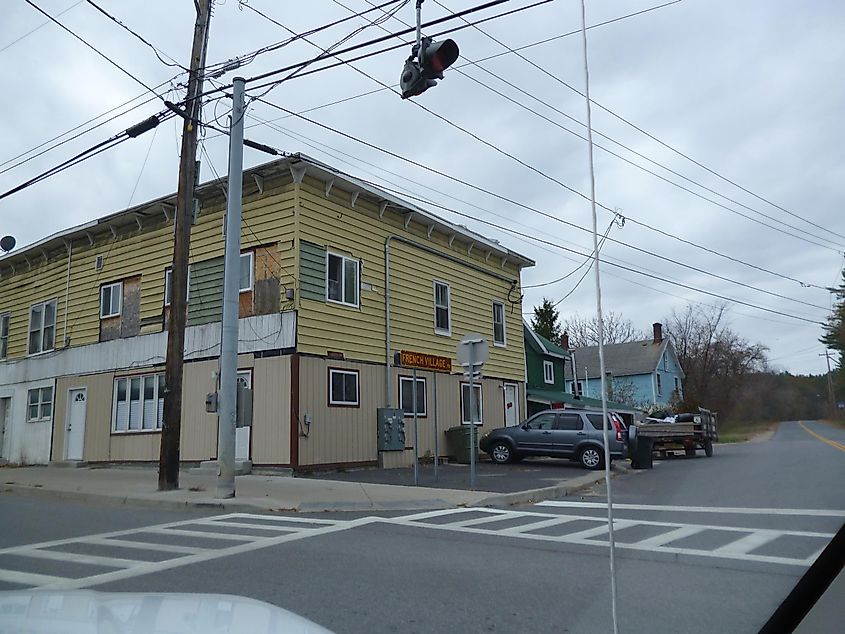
(205, 302)
(312, 271)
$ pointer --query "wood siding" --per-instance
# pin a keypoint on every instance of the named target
(330, 223)
(268, 218)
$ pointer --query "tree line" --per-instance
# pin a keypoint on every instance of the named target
(724, 371)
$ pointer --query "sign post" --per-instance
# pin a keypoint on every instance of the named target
(472, 352)
(422, 361)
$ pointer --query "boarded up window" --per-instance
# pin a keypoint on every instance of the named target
(266, 290)
(206, 292)
(312, 271)
(128, 322)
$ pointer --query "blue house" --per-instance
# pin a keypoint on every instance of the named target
(642, 373)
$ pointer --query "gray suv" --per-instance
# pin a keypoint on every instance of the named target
(572, 433)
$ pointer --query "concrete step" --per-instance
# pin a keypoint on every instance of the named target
(209, 468)
(68, 464)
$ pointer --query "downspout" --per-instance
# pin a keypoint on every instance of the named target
(575, 391)
(387, 349)
(67, 292)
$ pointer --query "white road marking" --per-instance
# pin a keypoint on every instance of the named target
(78, 558)
(671, 536)
(533, 526)
(204, 534)
(27, 578)
(129, 543)
(748, 543)
(260, 527)
(695, 509)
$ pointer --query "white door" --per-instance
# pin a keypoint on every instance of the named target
(5, 419)
(242, 434)
(75, 442)
(511, 407)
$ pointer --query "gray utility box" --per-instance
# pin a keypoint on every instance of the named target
(391, 429)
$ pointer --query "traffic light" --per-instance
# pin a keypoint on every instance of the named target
(434, 58)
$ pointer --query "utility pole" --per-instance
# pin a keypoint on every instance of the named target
(168, 464)
(830, 395)
(227, 403)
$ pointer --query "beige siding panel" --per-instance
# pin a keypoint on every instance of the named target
(359, 333)
(98, 413)
(338, 434)
(199, 428)
(271, 411)
(138, 447)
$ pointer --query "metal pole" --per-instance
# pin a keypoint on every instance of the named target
(419, 28)
(416, 436)
(436, 432)
(227, 406)
(830, 395)
(603, 378)
(471, 416)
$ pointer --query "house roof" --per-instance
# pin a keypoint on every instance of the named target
(298, 165)
(621, 359)
(542, 345)
(552, 397)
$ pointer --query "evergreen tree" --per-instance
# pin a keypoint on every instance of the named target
(545, 321)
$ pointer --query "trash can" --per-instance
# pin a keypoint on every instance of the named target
(458, 443)
(641, 453)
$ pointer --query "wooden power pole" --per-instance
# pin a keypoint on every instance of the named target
(168, 464)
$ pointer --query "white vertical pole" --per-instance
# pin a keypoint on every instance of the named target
(601, 325)
(471, 416)
(436, 430)
(227, 405)
(416, 435)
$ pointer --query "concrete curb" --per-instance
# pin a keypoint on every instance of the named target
(246, 505)
(565, 488)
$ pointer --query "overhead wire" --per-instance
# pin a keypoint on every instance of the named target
(40, 26)
(605, 108)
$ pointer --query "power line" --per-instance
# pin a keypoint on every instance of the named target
(43, 24)
(173, 63)
(105, 57)
(557, 124)
(664, 144)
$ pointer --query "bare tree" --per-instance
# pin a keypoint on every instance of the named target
(717, 361)
(584, 331)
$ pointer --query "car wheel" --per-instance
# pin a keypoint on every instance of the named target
(708, 448)
(501, 453)
(591, 458)
(690, 451)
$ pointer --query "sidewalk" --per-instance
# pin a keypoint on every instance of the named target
(137, 486)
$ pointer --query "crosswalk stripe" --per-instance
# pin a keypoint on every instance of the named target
(694, 509)
(129, 543)
(79, 558)
(524, 528)
(260, 527)
(748, 543)
(190, 533)
(670, 536)
(27, 578)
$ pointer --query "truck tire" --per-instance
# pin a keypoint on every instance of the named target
(708, 448)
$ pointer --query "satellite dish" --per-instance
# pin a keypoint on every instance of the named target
(7, 243)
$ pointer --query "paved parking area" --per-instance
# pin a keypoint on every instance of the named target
(530, 473)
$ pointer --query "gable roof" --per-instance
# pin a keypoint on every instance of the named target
(542, 345)
(153, 213)
(623, 359)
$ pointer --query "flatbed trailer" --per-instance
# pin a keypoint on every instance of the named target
(690, 433)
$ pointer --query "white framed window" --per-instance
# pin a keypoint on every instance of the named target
(4, 334)
(499, 334)
(478, 406)
(442, 308)
(666, 361)
(39, 404)
(245, 378)
(343, 388)
(168, 285)
(342, 279)
(548, 372)
(42, 327)
(659, 383)
(111, 296)
(138, 403)
(246, 277)
(406, 396)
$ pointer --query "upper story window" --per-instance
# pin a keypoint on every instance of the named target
(4, 334)
(42, 327)
(343, 388)
(168, 285)
(246, 276)
(666, 361)
(442, 308)
(110, 299)
(548, 372)
(499, 324)
(342, 279)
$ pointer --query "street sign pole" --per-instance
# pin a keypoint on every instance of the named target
(436, 432)
(472, 352)
(416, 436)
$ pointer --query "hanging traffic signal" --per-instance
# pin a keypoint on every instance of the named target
(434, 58)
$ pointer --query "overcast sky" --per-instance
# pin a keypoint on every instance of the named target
(751, 89)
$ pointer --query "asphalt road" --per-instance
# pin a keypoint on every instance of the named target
(704, 545)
